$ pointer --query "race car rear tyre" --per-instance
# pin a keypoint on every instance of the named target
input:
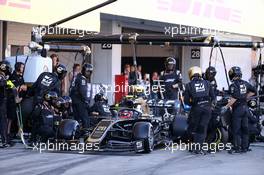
(149, 142)
(225, 135)
(179, 127)
(219, 136)
(214, 136)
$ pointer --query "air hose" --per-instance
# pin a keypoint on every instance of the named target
(223, 59)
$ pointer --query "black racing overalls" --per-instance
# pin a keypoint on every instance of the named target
(81, 98)
(199, 95)
(170, 79)
(240, 113)
(3, 112)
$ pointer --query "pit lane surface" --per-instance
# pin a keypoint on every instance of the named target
(17, 160)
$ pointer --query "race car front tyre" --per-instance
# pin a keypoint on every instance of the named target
(144, 131)
(69, 129)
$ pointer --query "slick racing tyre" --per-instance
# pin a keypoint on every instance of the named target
(144, 131)
(149, 141)
(69, 129)
(220, 135)
(179, 128)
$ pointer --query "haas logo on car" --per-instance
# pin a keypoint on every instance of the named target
(46, 81)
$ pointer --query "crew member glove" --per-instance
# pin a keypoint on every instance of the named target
(95, 113)
(10, 84)
(175, 86)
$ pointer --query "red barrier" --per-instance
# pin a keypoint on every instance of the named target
(121, 87)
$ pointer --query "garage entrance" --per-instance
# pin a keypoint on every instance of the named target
(149, 64)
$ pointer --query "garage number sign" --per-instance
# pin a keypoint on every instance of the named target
(106, 46)
(195, 53)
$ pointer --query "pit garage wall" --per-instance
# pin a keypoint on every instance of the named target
(187, 62)
(107, 63)
(18, 33)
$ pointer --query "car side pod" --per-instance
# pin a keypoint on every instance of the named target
(144, 136)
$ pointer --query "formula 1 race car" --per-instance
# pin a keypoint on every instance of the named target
(131, 130)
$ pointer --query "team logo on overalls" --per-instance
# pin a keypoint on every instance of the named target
(199, 87)
(232, 89)
(243, 89)
(83, 82)
(46, 81)
(106, 108)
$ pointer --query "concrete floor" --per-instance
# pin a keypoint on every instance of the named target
(17, 160)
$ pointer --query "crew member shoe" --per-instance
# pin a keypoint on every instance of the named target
(234, 151)
(199, 152)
